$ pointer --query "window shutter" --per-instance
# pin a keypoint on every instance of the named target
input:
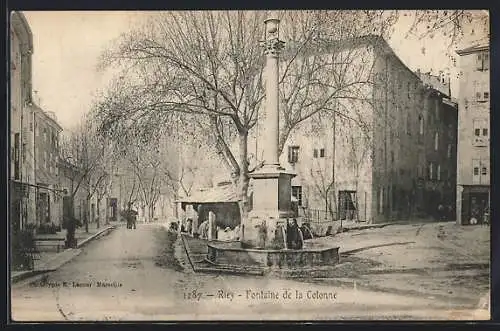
(290, 154)
(486, 61)
(479, 61)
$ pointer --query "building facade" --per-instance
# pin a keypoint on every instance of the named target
(70, 178)
(378, 159)
(22, 198)
(473, 161)
(46, 151)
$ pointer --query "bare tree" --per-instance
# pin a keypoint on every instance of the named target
(213, 75)
(324, 187)
(102, 187)
(205, 69)
(83, 153)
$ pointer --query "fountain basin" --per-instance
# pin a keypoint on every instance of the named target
(233, 254)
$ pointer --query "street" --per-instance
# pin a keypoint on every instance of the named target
(142, 275)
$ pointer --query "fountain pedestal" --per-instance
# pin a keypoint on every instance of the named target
(263, 237)
(265, 225)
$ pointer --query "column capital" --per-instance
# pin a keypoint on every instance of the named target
(273, 46)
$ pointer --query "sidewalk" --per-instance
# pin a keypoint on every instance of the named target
(51, 260)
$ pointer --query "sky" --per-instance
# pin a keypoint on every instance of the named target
(67, 46)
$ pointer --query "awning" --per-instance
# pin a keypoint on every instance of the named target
(218, 194)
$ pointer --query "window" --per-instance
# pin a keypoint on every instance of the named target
(293, 154)
(17, 165)
(436, 141)
(322, 152)
(476, 171)
(431, 170)
(438, 172)
(481, 91)
(480, 126)
(315, 153)
(449, 151)
(420, 124)
(409, 87)
(451, 132)
(483, 61)
(297, 193)
(392, 157)
(480, 171)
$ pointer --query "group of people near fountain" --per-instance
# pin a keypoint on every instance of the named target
(295, 234)
(226, 234)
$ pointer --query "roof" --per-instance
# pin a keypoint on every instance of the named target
(48, 117)
(378, 43)
(218, 194)
(473, 49)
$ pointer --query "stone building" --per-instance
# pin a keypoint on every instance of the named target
(379, 158)
(46, 154)
(473, 160)
(21, 175)
(70, 178)
(437, 136)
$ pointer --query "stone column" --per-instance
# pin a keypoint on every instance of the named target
(272, 184)
(273, 47)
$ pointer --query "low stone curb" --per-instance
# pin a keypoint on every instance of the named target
(56, 262)
(96, 235)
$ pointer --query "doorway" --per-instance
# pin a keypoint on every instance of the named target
(475, 205)
(347, 205)
(43, 208)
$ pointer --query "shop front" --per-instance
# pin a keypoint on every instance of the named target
(475, 204)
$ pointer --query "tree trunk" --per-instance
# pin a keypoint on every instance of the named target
(243, 179)
(151, 212)
(97, 213)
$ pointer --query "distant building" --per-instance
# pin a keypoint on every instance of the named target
(384, 158)
(70, 177)
(22, 179)
(473, 161)
(46, 154)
